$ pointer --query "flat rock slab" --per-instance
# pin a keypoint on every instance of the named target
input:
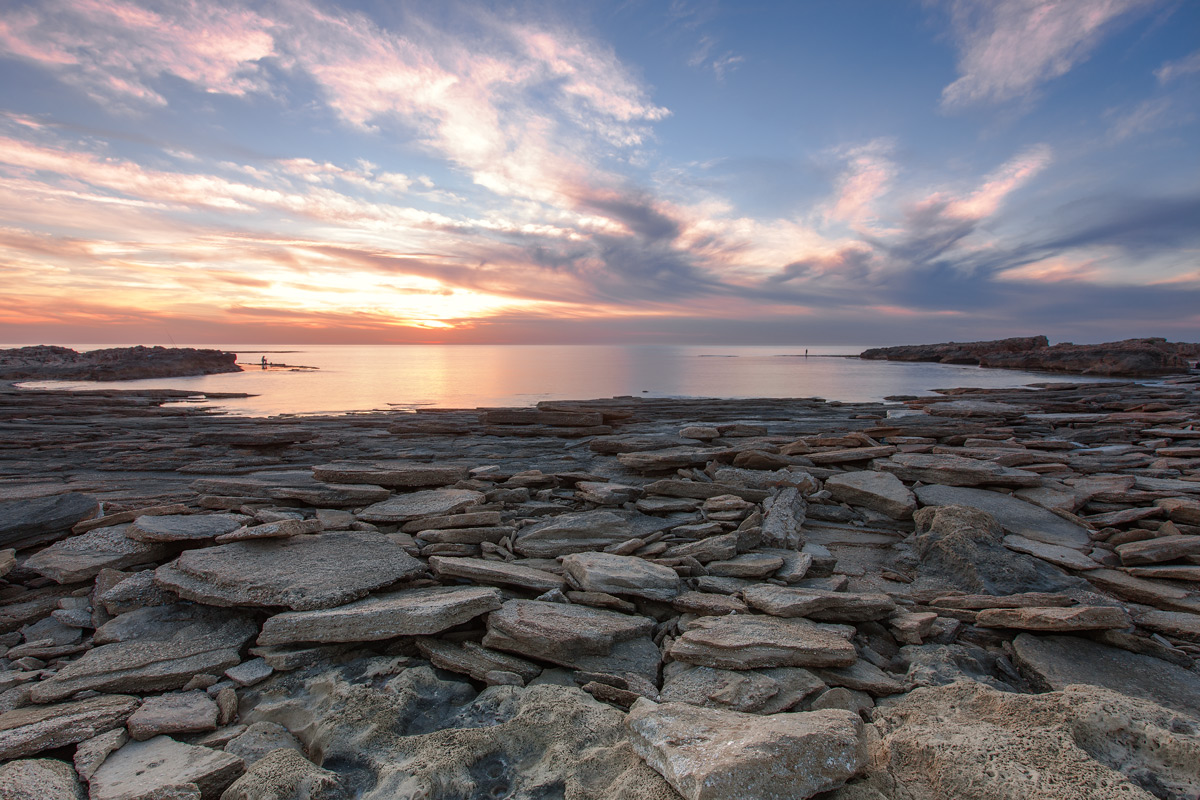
(1055, 620)
(30, 522)
(300, 572)
(573, 533)
(752, 691)
(1056, 662)
(1065, 557)
(331, 495)
(415, 612)
(1015, 516)
(472, 658)
(390, 476)
(142, 665)
(671, 458)
(575, 636)
(1158, 550)
(428, 503)
(30, 730)
(751, 641)
(878, 491)
(710, 754)
(622, 575)
(496, 572)
(950, 470)
(174, 712)
(182, 528)
(81, 558)
(140, 768)
(819, 604)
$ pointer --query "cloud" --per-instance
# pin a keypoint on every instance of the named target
(1148, 116)
(1170, 70)
(867, 177)
(1007, 48)
(721, 65)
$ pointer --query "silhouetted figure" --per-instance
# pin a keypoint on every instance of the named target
(264, 362)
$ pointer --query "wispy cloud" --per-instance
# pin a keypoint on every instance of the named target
(721, 64)
(1171, 70)
(1007, 48)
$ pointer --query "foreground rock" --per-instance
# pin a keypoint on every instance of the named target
(141, 768)
(40, 520)
(28, 731)
(747, 642)
(706, 754)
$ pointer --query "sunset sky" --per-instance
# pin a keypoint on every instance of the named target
(679, 171)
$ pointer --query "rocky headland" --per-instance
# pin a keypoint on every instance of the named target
(50, 362)
(1131, 358)
(976, 595)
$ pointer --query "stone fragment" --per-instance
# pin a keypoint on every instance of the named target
(819, 604)
(1056, 662)
(413, 612)
(752, 641)
(671, 487)
(1015, 516)
(1155, 593)
(287, 774)
(785, 513)
(1076, 618)
(705, 604)
(575, 636)
(671, 458)
(90, 754)
(30, 730)
(250, 672)
(622, 575)
(710, 754)
(1158, 550)
(1065, 557)
(714, 548)
(427, 503)
(300, 572)
(173, 712)
(950, 470)
(391, 476)
(331, 494)
(134, 592)
(1182, 510)
(139, 769)
(81, 558)
(39, 779)
(861, 676)
(496, 572)
(181, 527)
(273, 530)
(747, 565)
(39, 520)
(573, 533)
(261, 738)
(878, 491)
(606, 494)
(471, 658)
(8, 560)
(752, 691)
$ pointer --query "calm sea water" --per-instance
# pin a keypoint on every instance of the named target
(356, 378)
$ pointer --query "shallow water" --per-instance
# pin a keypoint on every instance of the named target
(363, 377)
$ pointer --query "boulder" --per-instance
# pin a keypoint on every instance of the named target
(710, 754)
(39, 520)
(300, 572)
(878, 491)
(414, 612)
(30, 730)
(622, 575)
(752, 641)
(140, 768)
(1014, 515)
(81, 558)
(40, 779)
(1056, 662)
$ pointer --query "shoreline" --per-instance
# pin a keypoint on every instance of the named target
(646, 564)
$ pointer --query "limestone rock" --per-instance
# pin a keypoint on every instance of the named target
(1056, 662)
(573, 533)
(1065, 557)
(1014, 515)
(260, 739)
(707, 754)
(414, 612)
(82, 557)
(752, 691)
(669, 459)
(747, 565)
(819, 604)
(1075, 618)
(181, 527)
(427, 503)
(174, 712)
(970, 742)
(1183, 510)
(785, 513)
(285, 774)
(327, 495)
(496, 572)
(39, 779)
(950, 470)
(575, 636)
(273, 530)
(8, 560)
(30, 730)
(752, 641)
(140, 768)
(471, 658)
(300, 572)
(622, 575)
(90, 754)
(878, 491)
(136, 591)
(39, 520)
(1159, 549)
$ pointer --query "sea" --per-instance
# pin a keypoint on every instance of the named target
(329, 379)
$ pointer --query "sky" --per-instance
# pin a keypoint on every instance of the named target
(634, 171)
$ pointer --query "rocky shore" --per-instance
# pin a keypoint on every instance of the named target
(982, 594)
(50, 362)
(1130, 358)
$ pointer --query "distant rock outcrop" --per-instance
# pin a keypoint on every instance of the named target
(48, 362)
(1126, 358)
